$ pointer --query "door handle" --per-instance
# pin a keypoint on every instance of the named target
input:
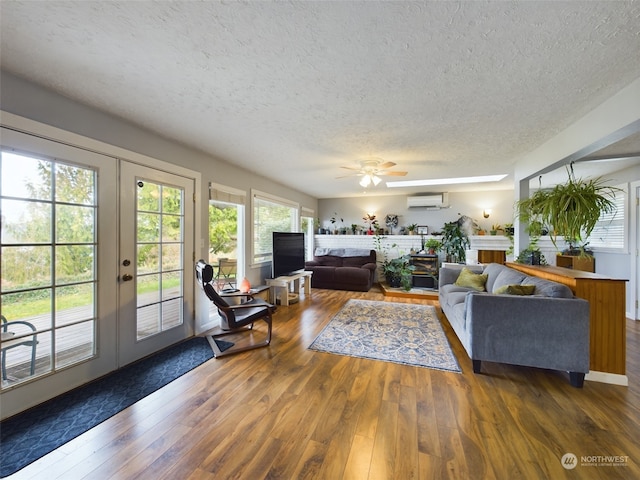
(126, 277)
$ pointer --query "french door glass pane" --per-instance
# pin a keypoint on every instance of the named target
(78, 339)
(25, 221)
(48, 249)
(160, 237)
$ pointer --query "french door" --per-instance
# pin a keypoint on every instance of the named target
(156, 254)
(96, 256)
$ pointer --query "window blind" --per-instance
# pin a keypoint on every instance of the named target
(610, 231)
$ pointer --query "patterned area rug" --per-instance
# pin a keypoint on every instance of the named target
(392, 332)
(38, 431)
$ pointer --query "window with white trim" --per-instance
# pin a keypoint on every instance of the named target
(307, 225)
(610, 232)
(270, 214)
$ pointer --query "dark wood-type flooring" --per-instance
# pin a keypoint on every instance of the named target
(286, 412)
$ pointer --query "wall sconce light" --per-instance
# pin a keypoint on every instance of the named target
(486, 212)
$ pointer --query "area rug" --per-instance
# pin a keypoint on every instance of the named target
(30, 435)
(393, 332)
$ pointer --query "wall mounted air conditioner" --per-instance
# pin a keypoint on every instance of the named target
(431, 200)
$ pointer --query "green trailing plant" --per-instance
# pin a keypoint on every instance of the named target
(531, 256)
(509, 233)
(571, 209)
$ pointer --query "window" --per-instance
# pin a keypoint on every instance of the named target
(610, 231)
(226, 229)
(308, 227)
(270, 214)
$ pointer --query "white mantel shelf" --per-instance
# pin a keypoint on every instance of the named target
(405, 242)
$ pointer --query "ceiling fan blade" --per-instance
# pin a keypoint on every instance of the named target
(352, 168)
(386, 165)
(351, 175)
(393, 174)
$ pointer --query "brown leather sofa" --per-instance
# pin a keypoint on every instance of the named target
(343, 269)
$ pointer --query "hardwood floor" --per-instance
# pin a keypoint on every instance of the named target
(286, 412)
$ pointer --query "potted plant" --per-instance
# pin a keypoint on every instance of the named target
(412, 228)
(397, 272)
(354, 228)
(334, 220)
(494, 229)
(532, 255)
(455, 241)
(571, 209)
(372, 223)
(432, 246)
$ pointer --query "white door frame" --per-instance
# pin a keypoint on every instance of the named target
(634, 249)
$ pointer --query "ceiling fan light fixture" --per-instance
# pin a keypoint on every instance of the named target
(368, 179)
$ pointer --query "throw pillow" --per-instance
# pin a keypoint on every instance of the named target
(470, 279)
(516, 289)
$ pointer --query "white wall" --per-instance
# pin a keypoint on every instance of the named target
(25, 99)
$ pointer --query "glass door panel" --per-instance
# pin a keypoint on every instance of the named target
(155, 209)
(49, 275)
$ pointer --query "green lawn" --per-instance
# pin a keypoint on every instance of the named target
(36, 307)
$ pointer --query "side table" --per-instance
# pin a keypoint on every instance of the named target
(285, 283)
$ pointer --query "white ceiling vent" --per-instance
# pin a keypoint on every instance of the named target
(431, 200)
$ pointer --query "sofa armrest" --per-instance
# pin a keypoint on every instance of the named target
(312, 263)
(535, 331)
(370, 266)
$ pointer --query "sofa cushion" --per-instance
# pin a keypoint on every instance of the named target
(547, 288)
(329, 261)
(467, 278)
(492, 270)
(355, 261)
(507, 276)
(516, 289)
(450, 287)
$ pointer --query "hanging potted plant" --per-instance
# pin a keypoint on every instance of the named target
(571, 209)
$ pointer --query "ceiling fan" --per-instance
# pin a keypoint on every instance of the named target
(371, 170)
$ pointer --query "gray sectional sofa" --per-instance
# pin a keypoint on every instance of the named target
(546, 329)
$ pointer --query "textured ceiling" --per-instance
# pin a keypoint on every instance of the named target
(294, 90)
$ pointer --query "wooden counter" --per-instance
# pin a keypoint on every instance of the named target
(606, 298)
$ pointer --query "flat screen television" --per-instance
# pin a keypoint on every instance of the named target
(288, 253)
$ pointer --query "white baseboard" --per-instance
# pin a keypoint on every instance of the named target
(604, 377)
